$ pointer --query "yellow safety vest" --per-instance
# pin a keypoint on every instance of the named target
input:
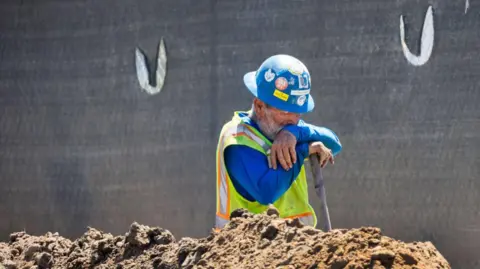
(292, 204)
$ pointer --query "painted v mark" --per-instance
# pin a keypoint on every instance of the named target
(142, 70)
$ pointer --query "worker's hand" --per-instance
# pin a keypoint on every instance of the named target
(324, 154)
(283, 149)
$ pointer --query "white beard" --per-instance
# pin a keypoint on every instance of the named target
(269, 128)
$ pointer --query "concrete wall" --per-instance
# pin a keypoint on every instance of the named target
(81, 144)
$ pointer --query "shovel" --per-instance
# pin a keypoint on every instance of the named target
(320, 189)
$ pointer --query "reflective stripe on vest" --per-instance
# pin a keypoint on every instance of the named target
(305, 219)
(238, 130)
(220, 222)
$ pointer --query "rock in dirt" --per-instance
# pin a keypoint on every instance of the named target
(248, 241)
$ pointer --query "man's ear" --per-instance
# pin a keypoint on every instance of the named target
(259, 108)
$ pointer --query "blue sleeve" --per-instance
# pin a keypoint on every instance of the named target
(248, 169)
(305, 133)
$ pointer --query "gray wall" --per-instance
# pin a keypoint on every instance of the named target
(81, 144)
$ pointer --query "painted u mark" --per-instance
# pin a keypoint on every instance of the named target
(426, 46)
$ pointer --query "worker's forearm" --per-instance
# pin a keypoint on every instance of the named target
(249, 168)
(275, 183)
(305, 133)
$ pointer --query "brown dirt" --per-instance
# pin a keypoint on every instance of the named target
(248, 241)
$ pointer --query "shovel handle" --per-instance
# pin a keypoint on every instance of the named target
(320, 189)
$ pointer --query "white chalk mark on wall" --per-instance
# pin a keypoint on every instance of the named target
(467, 5)
(142, 71)
(160, 73)
(161, 65)
(427, 39)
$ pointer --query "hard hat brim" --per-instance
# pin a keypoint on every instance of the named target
(250, 81)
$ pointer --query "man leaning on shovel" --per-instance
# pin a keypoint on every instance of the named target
(261, 152)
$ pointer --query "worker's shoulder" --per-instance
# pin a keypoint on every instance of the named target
(238, 123)
(232, 128)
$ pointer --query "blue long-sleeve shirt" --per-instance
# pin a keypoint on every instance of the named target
(248, 169)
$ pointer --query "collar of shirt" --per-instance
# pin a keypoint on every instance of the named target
(246, 119)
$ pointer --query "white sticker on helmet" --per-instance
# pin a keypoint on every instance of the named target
(302, 82)
(299, 92)
(291, 81)
(269, 75)
(301, 100)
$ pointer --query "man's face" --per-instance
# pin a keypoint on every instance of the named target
(272, 120)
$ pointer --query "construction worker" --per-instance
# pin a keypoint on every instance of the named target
(261, 152)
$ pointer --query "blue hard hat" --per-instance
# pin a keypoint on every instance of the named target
(283, 82)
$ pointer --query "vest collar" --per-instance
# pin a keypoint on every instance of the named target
(242, 116)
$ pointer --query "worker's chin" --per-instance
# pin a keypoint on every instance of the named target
(269, 128)
(272, 131)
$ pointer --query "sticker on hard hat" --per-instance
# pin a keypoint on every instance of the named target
(291, 81)
(280, 95)
(269, 75)
(301, 100)
(302, 82)
(281, 83)
(299, 92)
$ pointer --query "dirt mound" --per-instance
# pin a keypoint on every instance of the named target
(248, 241)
